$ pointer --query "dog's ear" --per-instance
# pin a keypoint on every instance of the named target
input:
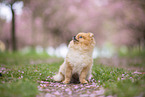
(91, 34)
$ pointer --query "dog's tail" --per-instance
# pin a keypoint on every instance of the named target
(58, 77)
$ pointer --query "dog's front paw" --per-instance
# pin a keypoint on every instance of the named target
(66, 81)
(84, 82)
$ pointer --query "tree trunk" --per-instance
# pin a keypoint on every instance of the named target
(13, 36)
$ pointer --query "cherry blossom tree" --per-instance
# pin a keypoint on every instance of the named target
(10, 3)
(52, 22)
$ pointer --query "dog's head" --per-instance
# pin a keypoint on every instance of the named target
(86, 39)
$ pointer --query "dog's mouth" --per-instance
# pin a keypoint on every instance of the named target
(74, 38)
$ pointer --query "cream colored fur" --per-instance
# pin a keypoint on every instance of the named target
(78, 60)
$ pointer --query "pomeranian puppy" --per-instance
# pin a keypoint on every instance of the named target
(78, 62)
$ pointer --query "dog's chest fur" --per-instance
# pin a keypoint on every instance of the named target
(78, 60)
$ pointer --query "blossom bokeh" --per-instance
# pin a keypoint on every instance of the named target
(51, 23)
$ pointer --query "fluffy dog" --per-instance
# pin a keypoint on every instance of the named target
(78, 62)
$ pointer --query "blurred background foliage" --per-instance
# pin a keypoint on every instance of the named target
(49, 23)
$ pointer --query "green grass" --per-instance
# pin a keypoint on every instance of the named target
(134, 52)
(19, 88)
(19, 58)
(137, 65)
(21, 79)
(119, 82)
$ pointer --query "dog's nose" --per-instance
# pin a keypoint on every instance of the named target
(74, 38)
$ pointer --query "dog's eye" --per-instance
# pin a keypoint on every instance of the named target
(80, 37)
